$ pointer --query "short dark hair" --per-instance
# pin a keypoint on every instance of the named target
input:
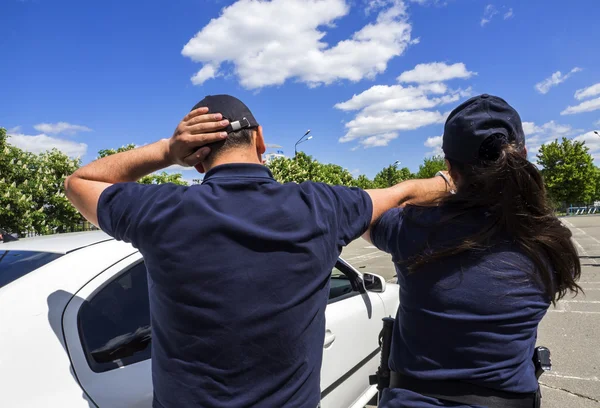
(235, 140)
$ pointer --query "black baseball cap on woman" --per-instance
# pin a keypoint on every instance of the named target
(475, 121)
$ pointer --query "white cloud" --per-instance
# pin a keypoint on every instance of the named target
(378, 140)
(548, 132)
(434, 143)
(588, 92)
(587, 106)
(176, 168)
(398, 97)
(428, 2)
(508, 14)
(15, 129)
(592, 141)
(383, 111)
(384, 124)
(555, 79)
(283, 39)
(41, 143)
(207, 72)
(61, 127)
(488, 13)
(435, 72)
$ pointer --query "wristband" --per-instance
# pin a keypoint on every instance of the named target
(442, 175)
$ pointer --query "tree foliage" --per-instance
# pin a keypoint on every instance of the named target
(569, 173)
(31, 190)
(156, 178)
(431, 166)
(303, 168)
(391, 175)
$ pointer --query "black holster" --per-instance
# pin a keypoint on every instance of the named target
(382, 377)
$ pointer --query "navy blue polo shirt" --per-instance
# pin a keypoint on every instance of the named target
(470, 317)
(239, 273)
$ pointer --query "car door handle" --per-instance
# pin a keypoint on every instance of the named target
(329, 338)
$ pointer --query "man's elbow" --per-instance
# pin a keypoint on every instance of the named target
(68, 186)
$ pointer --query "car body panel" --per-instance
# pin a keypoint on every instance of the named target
(131, 385)
(40, 348)
(32, 350)
(60, 243)
(353, 354)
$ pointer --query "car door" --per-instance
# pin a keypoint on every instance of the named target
(107, 326)
(351, 348)
(107, 332)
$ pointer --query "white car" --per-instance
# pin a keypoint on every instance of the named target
(74, 326)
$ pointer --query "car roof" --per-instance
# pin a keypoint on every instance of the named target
(58, 243)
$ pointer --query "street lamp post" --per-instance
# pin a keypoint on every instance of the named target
(301, 141)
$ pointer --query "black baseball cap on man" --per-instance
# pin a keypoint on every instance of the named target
(477, 120)
(232, 109)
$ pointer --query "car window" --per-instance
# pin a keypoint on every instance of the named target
(340, 286)
(114, 323)
(16, 264)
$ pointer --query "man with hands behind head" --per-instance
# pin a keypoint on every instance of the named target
(239, 275)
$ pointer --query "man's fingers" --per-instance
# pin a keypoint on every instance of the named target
(196, 112)
(202, 139)
(206, 127)
(197, 157)
(207, 117)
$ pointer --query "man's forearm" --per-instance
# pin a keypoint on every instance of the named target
(127, 166)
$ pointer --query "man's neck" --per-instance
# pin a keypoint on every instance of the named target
(235, 157)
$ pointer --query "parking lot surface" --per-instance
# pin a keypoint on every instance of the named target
(571, 329)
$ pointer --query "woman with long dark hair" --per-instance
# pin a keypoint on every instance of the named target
(477, 272)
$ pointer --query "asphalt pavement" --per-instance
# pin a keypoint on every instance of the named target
(571, 330)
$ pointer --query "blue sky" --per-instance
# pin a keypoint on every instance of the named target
(372, 79)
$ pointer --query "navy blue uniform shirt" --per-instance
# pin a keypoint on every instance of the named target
(471, 317)
(239, 273)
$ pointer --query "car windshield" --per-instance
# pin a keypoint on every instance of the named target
(16, 264)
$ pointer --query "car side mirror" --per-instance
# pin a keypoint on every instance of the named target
(374, 283)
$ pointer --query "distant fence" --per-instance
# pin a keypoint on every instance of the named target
(80, 227)
(583, 210)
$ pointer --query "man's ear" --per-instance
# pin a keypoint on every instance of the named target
(261, 148)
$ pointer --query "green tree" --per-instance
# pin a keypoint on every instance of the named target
(31, 190)
(303, 168)
(391, 175)
(431, 166)
(363, 182)
(596, 195)
(569, 172)
(156, 178)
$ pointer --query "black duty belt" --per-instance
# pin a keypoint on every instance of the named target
(465, 393)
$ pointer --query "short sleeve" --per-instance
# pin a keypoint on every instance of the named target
(124, 209)
(351, 208)
(385, 231)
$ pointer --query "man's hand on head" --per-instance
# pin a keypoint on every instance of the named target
(188, 145)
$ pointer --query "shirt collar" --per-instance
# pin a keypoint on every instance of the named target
(238, 170)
